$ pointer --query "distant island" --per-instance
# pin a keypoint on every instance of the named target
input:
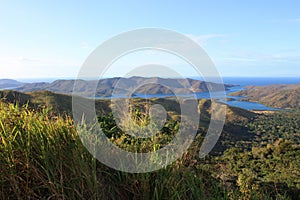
(106, 87)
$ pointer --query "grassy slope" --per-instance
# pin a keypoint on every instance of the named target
(58, 103)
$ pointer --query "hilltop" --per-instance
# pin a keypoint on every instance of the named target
(278, 96)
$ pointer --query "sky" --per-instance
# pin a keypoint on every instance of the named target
(43, 39)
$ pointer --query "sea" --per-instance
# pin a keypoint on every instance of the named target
(239, 82)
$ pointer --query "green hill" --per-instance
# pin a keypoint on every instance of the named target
(58, 103)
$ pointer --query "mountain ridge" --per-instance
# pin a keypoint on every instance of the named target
(141, 85)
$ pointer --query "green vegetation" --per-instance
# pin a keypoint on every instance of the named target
(271, 170)
(271, 127)
(56, 103)
(42, 156)
(270, 164)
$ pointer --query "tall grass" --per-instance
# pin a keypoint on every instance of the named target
(42, 156)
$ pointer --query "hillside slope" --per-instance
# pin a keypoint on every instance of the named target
(58, 103)
(62, 104)
(278, 96)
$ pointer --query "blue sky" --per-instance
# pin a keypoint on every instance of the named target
(243, 38)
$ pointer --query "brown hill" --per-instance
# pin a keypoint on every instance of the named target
(278, 96)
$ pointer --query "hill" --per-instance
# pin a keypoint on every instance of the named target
(278, 96)
(58, 103)
(62, 104)
(141, 85)
(234, 131)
